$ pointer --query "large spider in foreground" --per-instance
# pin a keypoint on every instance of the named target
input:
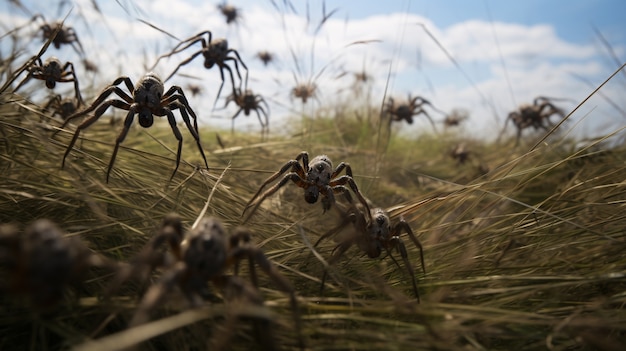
(536, 115)
(41, 262)
(406, 110)
(147, 100)
(203, 254)
(215, 52)
(247, 102)
(52, 71)
(317, 177)
(372, 234)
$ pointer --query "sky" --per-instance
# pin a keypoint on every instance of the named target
(485, 57)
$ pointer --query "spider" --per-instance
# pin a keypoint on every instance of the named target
(203, 254)
(215, 52)
(64, 107)
(455, 118)
(304, 91)
(41, 262)
(373, 234)
(247, 102)
(65, 34)
(407, 110)
(316, 177)
(147, 100)
(265, 56)
(230, 12)
(52, 71)
(533, 115)
(460, 153)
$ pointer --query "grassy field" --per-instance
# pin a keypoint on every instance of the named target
(524, 245)
(523, 249)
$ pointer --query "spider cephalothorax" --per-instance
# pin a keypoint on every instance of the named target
(247, 102)
(316, 178)
(215, 52)
(536, 115)
(373, 232)
(52, 71)
(146, 99)
(41, 262)
(204, 254)
(405, 111)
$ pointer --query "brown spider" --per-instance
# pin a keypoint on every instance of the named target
(65, 34)
(460, 153)
(203, 254)
(455, 118)
(41, 262)
(373, 234)
(247, 102)
(265, 56)
(230, 12)
(408, 109)
(52, 72)
(534, 115)
(304, 91)
(64, 107)
(215, 52)
(147, 100)
(316, 177)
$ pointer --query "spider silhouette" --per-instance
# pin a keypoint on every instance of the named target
(536, 115)
(406, 110)
(247, 102)
(215, 52)
(146, 100)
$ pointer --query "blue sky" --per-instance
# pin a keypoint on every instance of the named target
(508, 51)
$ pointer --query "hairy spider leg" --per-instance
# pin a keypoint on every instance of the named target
(255, 254)
(349, 179)
(403, 225)
(294, 165)
(186, 44)
(291, 176)
(175, 93)
(399, 245)
(126, 105)
(113, 88)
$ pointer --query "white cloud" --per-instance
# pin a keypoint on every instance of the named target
(536, 60)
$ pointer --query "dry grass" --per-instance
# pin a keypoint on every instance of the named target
(529, 255)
